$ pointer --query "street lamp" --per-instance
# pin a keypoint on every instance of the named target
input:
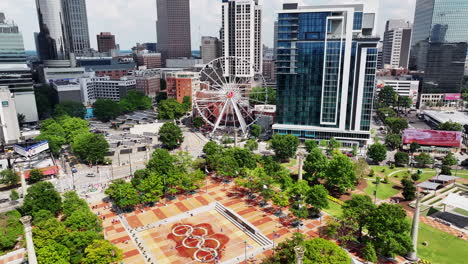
(274, 235)
(245, 249)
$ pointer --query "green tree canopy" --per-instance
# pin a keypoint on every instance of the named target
(340, 173)
(424, 159)
(317, 197)
(53, 253)
(170, 109)
(285, 146)
(396, 125)
(83, 220)
(55, 142)
(357, 211)
(401, 159)
(255, 130)
(414, 146)
(409, 189)
(106, 110)
(385, 112)
(393, 141)
(123, 194)
(9, 177)
(198, 122)
(387, 97)
(315, 165)
(377, 152)
(137, 101)
(332, 145)
(450, 126)
(251, 145)
(70, 108)
(171, 135)
(102, 252)
(310, 145)
(73, 126)
(405, 102)
(35, 175)
(42, 196)
(262, 95)
(162, 162)
(90, 147)
(450, 160)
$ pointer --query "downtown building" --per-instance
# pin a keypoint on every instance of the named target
(173, 29)
(210, 49)
(181, 84)
(76, 22)
(15, 74)
(326, 62)
(105, 42)
(241, 36)
(439, 45)
(396, 44)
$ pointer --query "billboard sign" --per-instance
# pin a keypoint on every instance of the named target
(432, 137)
(452, 97)
(32, 150)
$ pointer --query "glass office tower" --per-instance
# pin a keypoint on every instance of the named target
(76, 21)
(11, 43)
(326, 64)
(439, 44)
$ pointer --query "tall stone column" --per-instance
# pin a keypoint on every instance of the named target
(413, 256)
(300, 157)
(299, 254)
(26, 220)
(23, 182)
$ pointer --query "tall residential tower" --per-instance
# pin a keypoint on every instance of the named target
(326, 63)
(173, 29)
(241, 34)
(396, 44)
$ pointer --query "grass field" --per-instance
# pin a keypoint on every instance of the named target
(428, 173)
(334, 209)
(384, 191)
(461, 211)
(442, 248)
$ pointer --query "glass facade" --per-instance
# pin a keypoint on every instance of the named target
(76, 21)
(315, 67)
(11, 43)
(440, 33)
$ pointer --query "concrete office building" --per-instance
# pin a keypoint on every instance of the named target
(326, 65)
(76, 21)
(149, 60)
(241, 35)
(106, 42)
(210, 49)
(147, 82)
(396, 44)
(439, 44)
(173, 29)
(49, 75)
(183, 63)
(181, 84)
(52, 41)
(68, 90)
(9, 127)
(403, 86)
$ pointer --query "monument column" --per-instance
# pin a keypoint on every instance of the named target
(26, 220)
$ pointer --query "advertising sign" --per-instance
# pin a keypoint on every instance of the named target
(452, 97)
(432, 137)
(32, 150)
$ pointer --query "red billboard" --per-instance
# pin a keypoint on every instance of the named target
(432, 137)
(452, 97)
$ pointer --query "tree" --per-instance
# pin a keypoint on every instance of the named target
(10, 229)
(53, 253)
(90, 147)
(102, 252)
(21, 119)
(14, 195)
(317, 197)
(377, 152)
(445, 170)
(137, 101)
(255, 130)
(310, 145)
(368, 253)
(385, 112)
(73, 126)
(42, 196)
(71, 203)
(315, 165)
(285, 146)
(198, 122)
(409, 189)
(77, 242)
(387, 97)
(393, 141)
(123, 194)
(187, 103)
(105, 110)
(162, 95)
(388, 229)
(450, 126)
(170, 109)
(361, 168)
(161, 162)
(414, 146)
(405, 102)
(332, 145)
(260, 95)
(55, 142)
(251, 145)
(450, 160)
(35, 175)
(424, 159)
(340, 173)
(9, 177)
(212, 148)
(151, 188)
(170, 135)
(356, 212)
(227, 166)
(396, 125)
(401, 159)
(83, 220)
(299, 190)
(70, 108)
(280, 199)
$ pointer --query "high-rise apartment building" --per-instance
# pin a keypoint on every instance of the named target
(76, 21)
(326, 64)
(396, 44)
(173, 29)
(9, 127)
(105, 42)
(210, 49)
(52, 40)
(11, 42)
(241, 35)
(439, 44)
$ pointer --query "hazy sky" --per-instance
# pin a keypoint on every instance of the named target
(134, 20)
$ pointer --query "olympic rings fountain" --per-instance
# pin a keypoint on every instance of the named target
(196, 238)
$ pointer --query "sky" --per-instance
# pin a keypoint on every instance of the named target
(133, 21)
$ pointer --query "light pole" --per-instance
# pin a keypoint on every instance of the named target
(300, 157)
(413, 255)
(245, 250)
(274, 235)
(130, 162)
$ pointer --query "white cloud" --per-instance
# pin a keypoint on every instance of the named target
(134, 20)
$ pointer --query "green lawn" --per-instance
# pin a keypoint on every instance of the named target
(461, 211)
(334, 209)
(442, 248)
(428, 173)
(384, 191)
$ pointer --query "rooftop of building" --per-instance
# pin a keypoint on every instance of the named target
(396, 78)
(292, 6)
(444, 116)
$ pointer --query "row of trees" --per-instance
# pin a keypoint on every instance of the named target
(75, 237)
(62, 130)
(106, 110)
(171, 109)
(387, 228)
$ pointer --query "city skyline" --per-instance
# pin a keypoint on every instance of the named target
(106, 16)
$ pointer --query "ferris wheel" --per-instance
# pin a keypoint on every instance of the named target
(231, 96)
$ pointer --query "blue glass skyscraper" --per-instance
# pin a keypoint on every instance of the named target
(326, 64)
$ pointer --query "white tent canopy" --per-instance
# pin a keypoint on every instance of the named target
(457, 201)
